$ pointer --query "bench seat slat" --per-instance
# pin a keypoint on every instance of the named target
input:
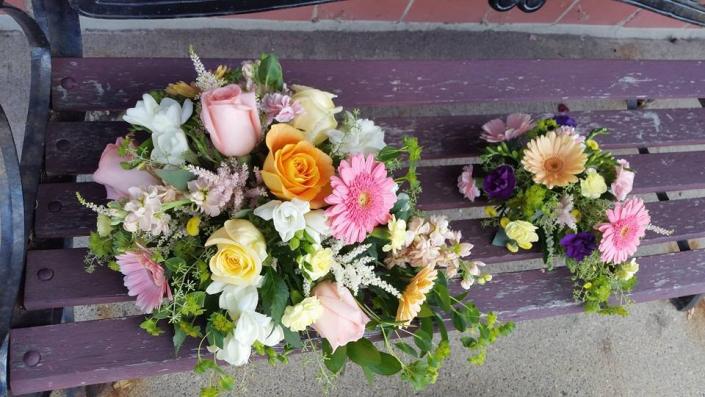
(108, 350)
(59, 214)
(685, 217)
(116, 83)
(74, 147)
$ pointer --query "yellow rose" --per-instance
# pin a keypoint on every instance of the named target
(294, 168)
(305, 313)
(241, 251)
(320, 262)
(319, 112)
(523, 233)
(593, 185)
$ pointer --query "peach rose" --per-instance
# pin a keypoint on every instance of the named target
(294, 168)
(116, 179)
(230, 116)
(342, 320)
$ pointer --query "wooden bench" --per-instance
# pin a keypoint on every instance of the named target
(69, 354)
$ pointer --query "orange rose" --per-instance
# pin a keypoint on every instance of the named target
(294, 168)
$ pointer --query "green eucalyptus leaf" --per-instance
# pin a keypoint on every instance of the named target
(177, 178)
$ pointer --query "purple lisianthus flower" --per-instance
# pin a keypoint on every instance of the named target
(499, 184)
(565, 120)
(579, 245)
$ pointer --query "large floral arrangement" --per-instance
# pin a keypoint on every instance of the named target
(243, 213)
(550, 184)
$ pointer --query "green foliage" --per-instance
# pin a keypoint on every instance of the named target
(150, 325)
(269, 73)
(596, 282)
(334, 360)
(177, 178)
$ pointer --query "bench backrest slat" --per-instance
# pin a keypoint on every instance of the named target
(116, 83)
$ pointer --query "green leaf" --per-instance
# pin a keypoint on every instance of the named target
(175, 265)
(274, 294)
(441, 289)
(151, 327)
(441, 327)
(178, 178)
(227, 382)
(458, 321)
(269, 72)
(211, 391)
(334, 360)
(363, 353)
(425, 311)
(204, 365)
(423, 340)
(389, 365)
(406, 348)
(178, 339)
(292, 338)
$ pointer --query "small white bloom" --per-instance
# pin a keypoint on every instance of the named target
(364, 137)
(271, 334)
(317, 225)
(397, 235)
(236, 299)
(233, 352)
(170, 147)
(288, 216)
(166, 115)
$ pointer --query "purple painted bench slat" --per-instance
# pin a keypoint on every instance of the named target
(108, 350)
(460, 134)
(66, 270)
(116, 83)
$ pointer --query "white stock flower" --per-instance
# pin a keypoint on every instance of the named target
(364, 137)
(288, 216)
(317, 225)
(169, 147)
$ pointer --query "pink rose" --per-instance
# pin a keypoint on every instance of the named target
(231, 118)
(624, 180)
(342, 320)
(116, 179)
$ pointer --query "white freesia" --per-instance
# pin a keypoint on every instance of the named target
(235, 299)
(317, 225)
(164, 120)
(364, 137)
(288, 216)
(233, 352)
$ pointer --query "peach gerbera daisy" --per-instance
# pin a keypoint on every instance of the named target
(621, 235)
(415, 294)
(554, 160)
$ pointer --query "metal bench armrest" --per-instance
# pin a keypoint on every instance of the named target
(32, 159)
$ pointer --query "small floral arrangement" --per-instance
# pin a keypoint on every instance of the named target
(552, 185)
(243, 213)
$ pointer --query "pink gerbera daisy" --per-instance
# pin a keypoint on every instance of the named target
(362, 196)
(144, 278)
(497, 130)
(622, 234)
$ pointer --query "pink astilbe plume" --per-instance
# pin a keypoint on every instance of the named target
(498, 131)
(144, 279)
(214, 193)
(362, 196)
(622, 234)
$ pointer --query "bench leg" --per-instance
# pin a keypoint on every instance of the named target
(685, 303)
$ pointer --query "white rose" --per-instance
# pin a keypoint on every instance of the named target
(170, 147)
(288, 216)
(319, 112)
(317, 225)
(365, 137)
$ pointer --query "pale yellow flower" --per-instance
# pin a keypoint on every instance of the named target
(320, 261)
(490, 211)
(397, 235)
(593, 185)
(627, 270)
(554, 160)
(305, 313)
(592, 144)
(221, 71)
(523, 233)
(414, 294)
(241, 251)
